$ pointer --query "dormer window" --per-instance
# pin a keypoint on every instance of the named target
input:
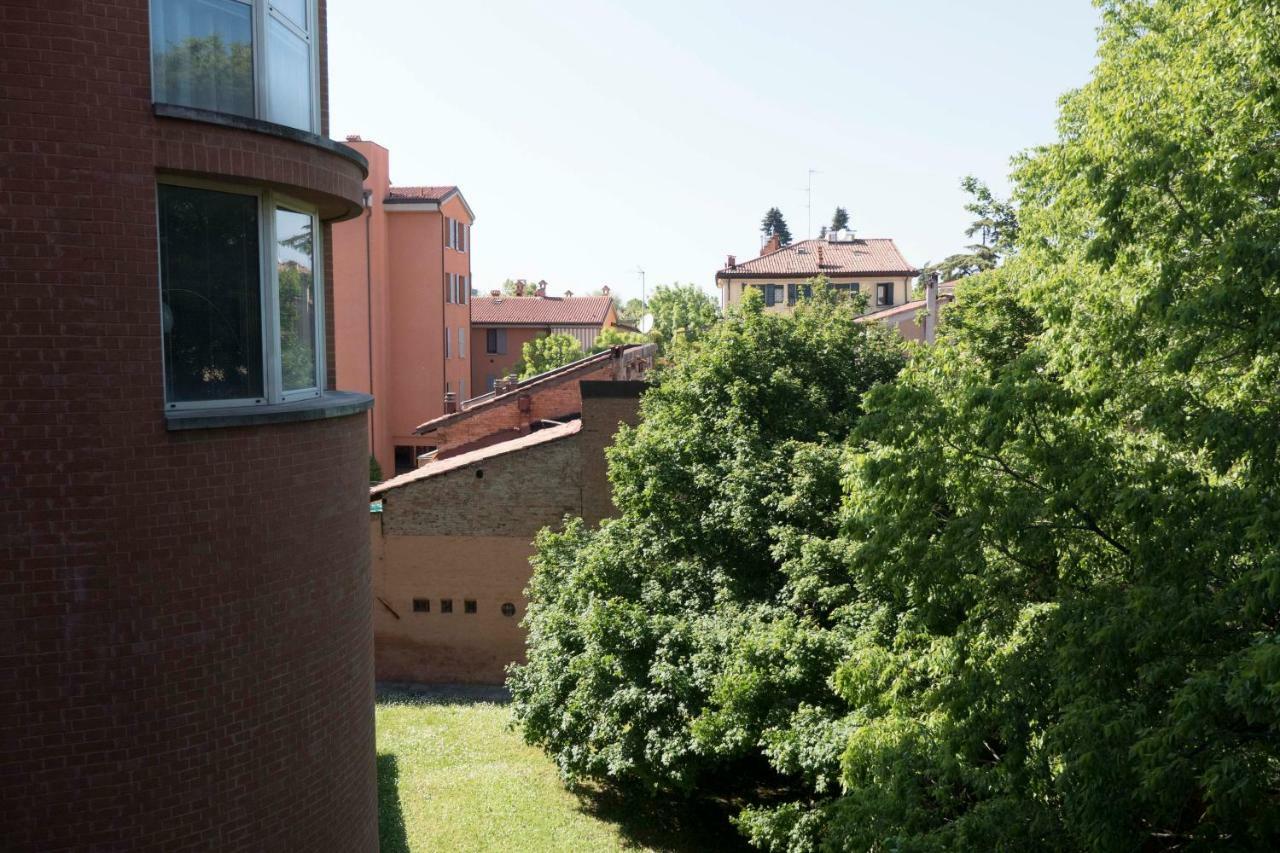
(254, 58)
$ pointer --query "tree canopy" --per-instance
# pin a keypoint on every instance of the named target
(1022, 594)
(682, 314)
(547, 352)
(773, 223)
(840, 219)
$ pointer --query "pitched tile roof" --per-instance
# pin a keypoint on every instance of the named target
(410, 194)
(453, 463)
(864, 256)
(540, 310)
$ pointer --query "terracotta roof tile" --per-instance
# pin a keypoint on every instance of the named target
(420, 193)
(864, 256)
(540, 310)
(444, 466)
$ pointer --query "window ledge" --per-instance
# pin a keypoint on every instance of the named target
(163, 110)
(331, 404)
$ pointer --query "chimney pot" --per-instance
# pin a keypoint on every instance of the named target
(605, 290)
(568, 293)
(354, 137)
(774, 244)
(520, 287)
(732, 262)
(496, 294)
(541, 292)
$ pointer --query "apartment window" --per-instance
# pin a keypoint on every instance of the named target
(422, 605)
(462, 343)
(448, 338)
(451, 236)
(462, 389)
(796, 291)
(464, 287)
(772, 293)
(495, 341)
(241, 307)
(405, 461)
(253, 58)
(469, 605)
(884, 293)
(446, 605)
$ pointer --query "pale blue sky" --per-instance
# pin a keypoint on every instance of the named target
(592, 138)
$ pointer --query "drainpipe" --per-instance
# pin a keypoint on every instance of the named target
(368, 295)
(931, 308)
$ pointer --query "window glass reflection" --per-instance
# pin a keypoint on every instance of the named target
(295, 254)
(202, 54)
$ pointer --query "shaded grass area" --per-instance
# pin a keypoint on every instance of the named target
(452, 775)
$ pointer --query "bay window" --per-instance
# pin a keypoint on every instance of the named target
(254, 58)
(241, 299)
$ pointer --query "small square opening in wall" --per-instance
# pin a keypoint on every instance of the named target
(469, 605)
(422, 605)
(446, 605)
(508, 609)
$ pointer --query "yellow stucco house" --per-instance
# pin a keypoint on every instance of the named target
(869, 265)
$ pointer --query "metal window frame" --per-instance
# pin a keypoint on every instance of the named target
(268, 295)
(262, 11)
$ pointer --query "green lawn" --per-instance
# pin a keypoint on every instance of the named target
(453, 776)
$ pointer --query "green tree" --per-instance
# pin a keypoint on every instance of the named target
(614, 337)
(840, 220)
(773, 223)
(682, 314)
(1065, 528)
(666, 645)
(632, 311)
(995, 226)
(547, 352)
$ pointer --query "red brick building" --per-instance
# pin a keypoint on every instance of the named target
(452, 540)
(185, 628)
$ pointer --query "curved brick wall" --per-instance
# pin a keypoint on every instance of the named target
(185, 639)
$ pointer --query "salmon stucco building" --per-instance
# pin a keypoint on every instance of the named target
(186, 656)
(451, 541)
(402, 283)
(872, 266)
(501, 325)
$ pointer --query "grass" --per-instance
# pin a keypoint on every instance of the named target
(452, 775)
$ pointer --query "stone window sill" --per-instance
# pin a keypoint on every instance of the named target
(331, 404)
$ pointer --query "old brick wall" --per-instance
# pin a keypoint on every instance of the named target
(185, 620)
(605, 406)
(510, 495)
(553, 399)
(460, 536)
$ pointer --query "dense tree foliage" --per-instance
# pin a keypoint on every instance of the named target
(665, 643)
(1024, 596)
(682, 314)
(612, 337)
(773, 223)
(547, 352)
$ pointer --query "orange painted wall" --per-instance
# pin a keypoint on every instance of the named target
(485, 364)
(405, 281)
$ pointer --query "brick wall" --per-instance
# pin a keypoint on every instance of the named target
(503, 419)
(185, 617)
(605, 406)
(515, 495)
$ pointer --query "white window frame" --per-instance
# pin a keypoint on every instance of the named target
(268, 279)
(448, 342)
(262, 12)
(462, 343)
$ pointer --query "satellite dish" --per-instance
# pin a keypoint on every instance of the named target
(646, 324)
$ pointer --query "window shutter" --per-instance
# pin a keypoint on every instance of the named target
(791, 294)
(502, 341)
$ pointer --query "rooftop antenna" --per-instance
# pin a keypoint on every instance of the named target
(808, 205)
(643, 294)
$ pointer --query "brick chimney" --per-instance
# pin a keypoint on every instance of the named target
(605, 290)
(450, 402)
(731, 262)
(496, 294)
(541, 292)
(568, 293)
(520, 287)
(774, 244)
